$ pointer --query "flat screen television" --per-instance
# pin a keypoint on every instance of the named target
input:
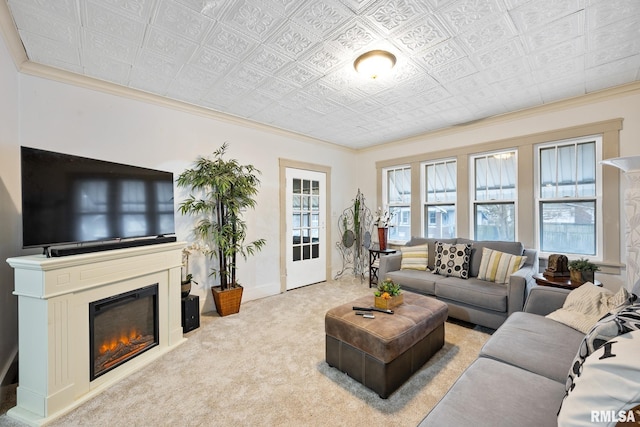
(69, 199)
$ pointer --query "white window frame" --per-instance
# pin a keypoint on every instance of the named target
(472, 189)
(599, 222)
(423, 194)
(388, 206)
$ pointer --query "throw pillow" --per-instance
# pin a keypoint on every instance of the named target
(498, 266)
(623, 319)
(585, 305)
(453, 259)
(608, 386)
(414, 257)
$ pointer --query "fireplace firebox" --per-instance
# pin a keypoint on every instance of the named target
(122, 327)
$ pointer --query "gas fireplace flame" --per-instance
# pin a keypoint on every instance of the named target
(125, 339)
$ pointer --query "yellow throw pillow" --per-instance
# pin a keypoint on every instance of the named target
(497, 266)
(414, 257)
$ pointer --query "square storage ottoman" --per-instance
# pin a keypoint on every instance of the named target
(382, 353)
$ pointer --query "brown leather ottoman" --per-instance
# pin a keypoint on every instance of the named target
(382, 353)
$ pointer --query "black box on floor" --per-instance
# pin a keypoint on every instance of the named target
(190, 313)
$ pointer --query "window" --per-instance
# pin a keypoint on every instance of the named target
(439, 199)
(567, 202)
(494, 192)
(397, 194)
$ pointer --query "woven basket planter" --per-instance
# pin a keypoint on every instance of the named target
(227, 301)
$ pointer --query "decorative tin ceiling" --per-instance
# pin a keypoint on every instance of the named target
(289, 63)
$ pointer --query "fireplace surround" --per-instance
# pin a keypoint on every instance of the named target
(54, 299)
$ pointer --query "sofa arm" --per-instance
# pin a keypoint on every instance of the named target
(517, 288)
(543, 300)
(391, 262)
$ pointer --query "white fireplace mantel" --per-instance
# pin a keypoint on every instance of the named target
(53, 321)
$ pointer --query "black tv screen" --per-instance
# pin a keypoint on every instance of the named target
(70, 199)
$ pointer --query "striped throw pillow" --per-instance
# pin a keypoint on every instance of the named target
(414, 257)
(497, 266)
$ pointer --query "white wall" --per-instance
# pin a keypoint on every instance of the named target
(563, 115)
(9, 219)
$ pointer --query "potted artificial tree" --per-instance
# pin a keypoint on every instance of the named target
(582, 270)
(220, 190)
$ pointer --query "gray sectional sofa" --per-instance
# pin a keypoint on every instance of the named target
(472, 300)
(520, 375)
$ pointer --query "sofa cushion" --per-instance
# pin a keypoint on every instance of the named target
(609, 383)
(534, 343)
(493, 394)
(414, 257)
(497, 266)
(585, 305)
(419, 281)
(452, 259)
(474, 292)
(431, 244)
(513, 248)
(623, 319)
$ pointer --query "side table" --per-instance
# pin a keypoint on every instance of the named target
(374, 263)
(559, 282)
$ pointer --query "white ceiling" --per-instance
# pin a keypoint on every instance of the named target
(289, 63)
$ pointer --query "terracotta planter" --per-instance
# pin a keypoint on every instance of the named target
(227, 301)
(382, 237)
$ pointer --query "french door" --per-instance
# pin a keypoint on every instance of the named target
(305, 227)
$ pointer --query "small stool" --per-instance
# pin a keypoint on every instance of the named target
(382, 353)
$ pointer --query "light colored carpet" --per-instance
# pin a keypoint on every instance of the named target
(264, 367)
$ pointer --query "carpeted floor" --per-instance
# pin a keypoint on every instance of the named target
(264, 367)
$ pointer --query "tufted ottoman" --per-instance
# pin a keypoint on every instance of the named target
(382, 353)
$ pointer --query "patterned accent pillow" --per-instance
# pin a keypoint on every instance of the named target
(498, 266)
(453, 260)
(623, 319)
(414, 257)
(609, 383)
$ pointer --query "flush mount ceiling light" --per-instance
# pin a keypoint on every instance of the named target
(374, 63)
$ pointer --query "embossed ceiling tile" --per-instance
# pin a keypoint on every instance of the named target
(292, 40)
(493, 56)
(277, 88)
(560, 69)
(213, 62)
(439, 4)
(435, 95)
(512, 4)
(472, 83)
(462, 14)
(105, 20)
(346, 97)
(181, 20)
(184, 92)
(153, 63)
(556, 32)
(558, 53)
(598, 83)
(485, 34)
(365, 105)
(226, 92)
(105, 68)
(614, 34)
(422, 35)
(390, 15)
(253, 19)
(148, 80)
(613, 53)
(139, 10)
(231, 42)
(517, 86)
(562, 88)
(169, 44)
(506, 70)
(195, 76)
(298, 74)
(540, 12)
(210, 8)
(284, 7)
(357, 5)
(441, 54)
(65, 9)
(405, 70)
(355, 35)
(323, 58)
(627, 66)
(322, 16)
(454, 71)
(319, 89)
(247, 77)
(607, 12)
(105, 45)
(42, 49)
(267, 60)
(322, 106)
(47, 25)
